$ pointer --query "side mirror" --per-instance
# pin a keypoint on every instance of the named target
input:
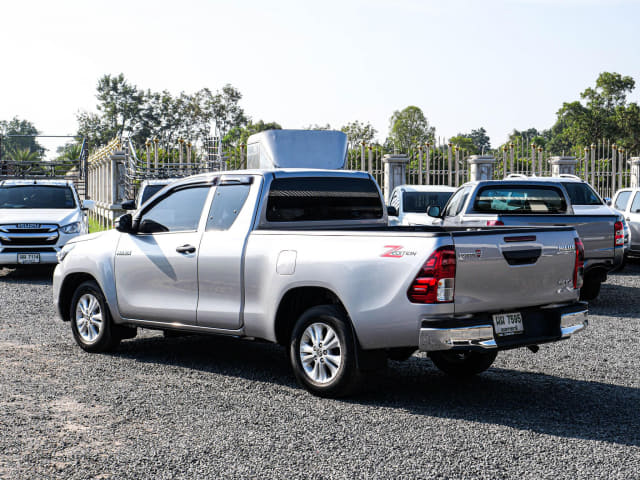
(607, 200)
(128, 205)
(392, 211)
(151, 226)
(433, 211)
(88, 205)
(124, 223)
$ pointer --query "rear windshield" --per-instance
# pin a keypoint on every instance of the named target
(581, 194)
(316, 199)
(149, 191)
(520, 200)
(36, 196)
(417, 202)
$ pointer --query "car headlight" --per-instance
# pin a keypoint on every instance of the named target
(75, 227)
(64, 252)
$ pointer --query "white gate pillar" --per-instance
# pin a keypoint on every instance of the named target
(395, 173)
(635, 171)
(481, 167)
(563, 165)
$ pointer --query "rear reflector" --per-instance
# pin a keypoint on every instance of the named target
(435, 283)
(495, 223)
(578, 268)
(619, 234)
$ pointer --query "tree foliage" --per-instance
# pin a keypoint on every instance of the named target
(409, 127)
(359, 132)
(16, 146)
(602, 113)
(124, 109)
(475, 142)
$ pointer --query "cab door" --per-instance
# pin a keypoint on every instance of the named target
(221, 259)
(156, 268)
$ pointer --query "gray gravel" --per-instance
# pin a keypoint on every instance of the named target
(207, 407)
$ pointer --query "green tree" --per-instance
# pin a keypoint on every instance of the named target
(119, 102)
(358, 132)
(409, 127)
(602, 113)
(465, 143)
(239, 135)
(17, 135)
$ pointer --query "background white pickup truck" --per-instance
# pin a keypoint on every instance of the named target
(37, 218)
(305, 258)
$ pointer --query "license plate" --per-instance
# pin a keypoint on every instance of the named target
(26, 258)
(508, 324)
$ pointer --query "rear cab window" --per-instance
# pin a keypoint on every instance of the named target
(323, 199)
(520, 199)
(581, 194)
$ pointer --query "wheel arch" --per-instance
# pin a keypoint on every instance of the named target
(296, 301)
(69, 286)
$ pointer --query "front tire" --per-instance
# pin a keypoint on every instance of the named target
(91, 323)
(322, 352)
(462, 364)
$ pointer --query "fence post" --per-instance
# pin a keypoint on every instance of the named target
(593, 164)
(395, 170)
(449, 173)
(456, 150)
(620, 168)
(614, 165)
(533, 159)
(419, 164)
(563, 165)
(370, 169)
(635, 171)
(428, 162)
(180, 155)
(511, 145)
(481, 167)
(155, 154)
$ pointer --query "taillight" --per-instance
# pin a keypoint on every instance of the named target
(495, 223)
(619, 234)
(435, 283)
(578, 268)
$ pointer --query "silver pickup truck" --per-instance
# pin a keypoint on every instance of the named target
(544, 201)
(305, 258)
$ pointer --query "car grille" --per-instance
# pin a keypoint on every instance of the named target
(28, 250)
(30, 234)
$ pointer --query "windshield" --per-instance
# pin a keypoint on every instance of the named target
(581, 194)
(149, 191)
(36, 196)
(417, 202)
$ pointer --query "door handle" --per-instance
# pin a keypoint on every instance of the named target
(186, 249)
(628, 219)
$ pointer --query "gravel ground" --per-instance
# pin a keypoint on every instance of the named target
(207, 407)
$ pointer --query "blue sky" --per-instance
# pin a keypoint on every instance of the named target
(499, 64)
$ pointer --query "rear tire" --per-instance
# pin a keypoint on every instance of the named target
(462, 364)
(322, 352)
(91, 323)
(590, 289)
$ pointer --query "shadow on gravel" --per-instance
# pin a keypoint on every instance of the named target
(535, 402)
(35, 275)
(616, 301)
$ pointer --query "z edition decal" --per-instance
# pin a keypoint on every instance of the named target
(396, 251)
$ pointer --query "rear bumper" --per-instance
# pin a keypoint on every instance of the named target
(541, 325)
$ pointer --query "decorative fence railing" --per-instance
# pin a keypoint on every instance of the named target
(116, 170)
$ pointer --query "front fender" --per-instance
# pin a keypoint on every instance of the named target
(95, 258)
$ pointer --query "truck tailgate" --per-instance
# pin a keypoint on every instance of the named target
(595, 231)
(513, 268)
